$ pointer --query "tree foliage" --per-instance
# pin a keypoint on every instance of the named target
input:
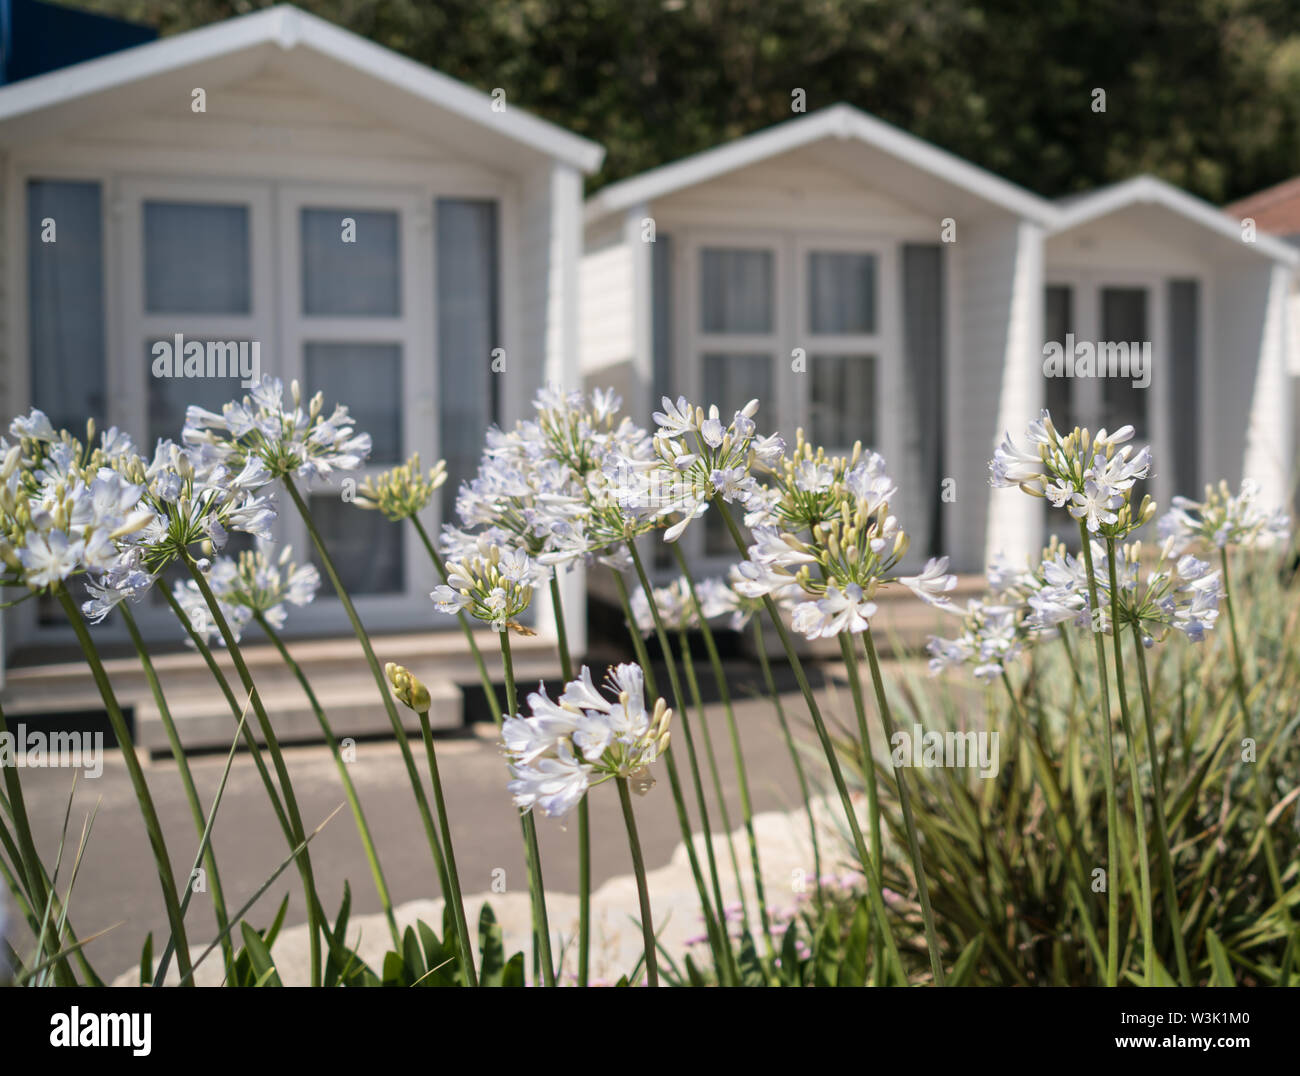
(1205, 93)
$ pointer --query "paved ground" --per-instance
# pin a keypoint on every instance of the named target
(117, 880)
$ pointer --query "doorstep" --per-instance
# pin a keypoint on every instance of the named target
(335, 667)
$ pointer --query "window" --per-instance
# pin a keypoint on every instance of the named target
(1124, 322)
(842, 400)
(467, 270)
(351, 263)
(368, 378)
(365, 547)
(1058, 322)
(65, 294)
(736, 291)
(841, 292)
(196, 259)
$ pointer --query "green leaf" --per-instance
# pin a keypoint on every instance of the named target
(751, 970)
(260, 956)
(693, 973)
(513, 975)
(412, 958)
(1219, 961)
(853, 968)
(273, 931)
(492, 953)
(964, 969)
(146, 960)
(826, 950)
(790, 956)
(394, 970)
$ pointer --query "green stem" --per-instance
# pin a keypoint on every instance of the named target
(153, 828)
(875, 894)
(717, 939)
(1162, 829)
(187, 782)
(453, 876)
(463, 619)
(769, 682)
(377, 673)
(849, 654)
(530, 832)
(494, 705)
(697, 700)
(349, 789)
(738, 756)
(642, 891)
(1256, 777)
(584, 818)
(1131, 745)
(679, 705)
(1108, 773)
(905, 802)
(314, 919)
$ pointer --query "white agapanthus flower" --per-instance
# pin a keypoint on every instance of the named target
(696, 457)
(493, 583)
(565, 746)
(1091, 477)
(255, 584)
(1223, 519)
(285, 437)
(836, 543)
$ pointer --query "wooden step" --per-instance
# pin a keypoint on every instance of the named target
(335, 667)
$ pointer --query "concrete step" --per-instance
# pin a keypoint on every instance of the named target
(335, 667)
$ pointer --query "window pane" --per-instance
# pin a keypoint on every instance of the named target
(467, 315)
(196, 259)
(736, 291)
(368, 379)
(366, 548)
(351, 271)
(842, 400)
(731, 381)
(1124, 321)
(1185, 383)
(65, 298)
(1058, 320)
(169, 396)
(841, 292)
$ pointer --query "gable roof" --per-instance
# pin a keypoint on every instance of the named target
(1149, 190)
(289, 29)
(1275, 209)
(839, 121)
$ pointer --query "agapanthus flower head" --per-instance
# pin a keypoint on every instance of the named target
(1092, 477)
(835, 545)
(697, 455)
(675, 605)
(493, 583)
(64, 506)
(991, 635)
(287, 437)
(263, 585)
(1178, 593)
(220, 575)
(404, 491)
(583, 738)
(1223, 519)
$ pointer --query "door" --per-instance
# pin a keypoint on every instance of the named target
(356, 325)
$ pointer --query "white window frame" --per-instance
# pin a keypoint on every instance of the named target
(413, 331)
(790, 330)
(1086, 393)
